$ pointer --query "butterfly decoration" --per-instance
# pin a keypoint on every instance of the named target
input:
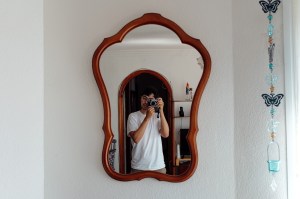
(270, 6)
(272, 99)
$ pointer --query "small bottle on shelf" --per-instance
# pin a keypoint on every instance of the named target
(181, 112)
(187, 91)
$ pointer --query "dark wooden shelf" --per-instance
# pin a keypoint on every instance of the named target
(181, 117)
(182, 100)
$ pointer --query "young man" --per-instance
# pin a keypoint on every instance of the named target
(146, 127)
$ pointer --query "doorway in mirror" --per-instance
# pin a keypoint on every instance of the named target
(132, 95)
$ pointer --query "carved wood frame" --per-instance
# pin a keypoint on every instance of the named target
(151, 18)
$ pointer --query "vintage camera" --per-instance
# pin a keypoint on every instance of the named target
(152, 102)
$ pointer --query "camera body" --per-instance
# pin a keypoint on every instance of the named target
(152, 102)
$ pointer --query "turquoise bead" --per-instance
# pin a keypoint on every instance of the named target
(273, 111)
(270, 17)
(271, 66)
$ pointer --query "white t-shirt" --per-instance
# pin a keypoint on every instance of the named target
(147, 154)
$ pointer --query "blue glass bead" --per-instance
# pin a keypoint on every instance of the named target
(272, 126)
(273, 111)
(270, 29)
(270, 17)
(271, 66)
(271, 79)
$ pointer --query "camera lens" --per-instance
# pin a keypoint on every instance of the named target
(152, 102)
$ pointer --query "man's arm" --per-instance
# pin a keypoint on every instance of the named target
(139, 133)
(164, 130)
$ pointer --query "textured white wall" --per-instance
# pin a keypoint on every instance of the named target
(21, 100)
(251, 114)
(73, 107)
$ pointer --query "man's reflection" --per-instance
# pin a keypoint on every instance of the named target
(145, 128)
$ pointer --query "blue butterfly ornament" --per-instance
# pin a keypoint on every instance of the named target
(272, 99)
(270, 6)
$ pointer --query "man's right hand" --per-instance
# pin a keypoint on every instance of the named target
(150, 112)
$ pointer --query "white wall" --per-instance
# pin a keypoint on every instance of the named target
(251, 115)
(73, 107)
(21, 100)
(231, 140)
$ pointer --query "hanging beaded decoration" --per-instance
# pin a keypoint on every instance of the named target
(272, 100)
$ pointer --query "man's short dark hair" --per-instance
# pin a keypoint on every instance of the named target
(149, 90)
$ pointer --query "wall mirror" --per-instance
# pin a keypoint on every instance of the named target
(151, 51)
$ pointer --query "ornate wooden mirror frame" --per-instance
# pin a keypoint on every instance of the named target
(157, 19)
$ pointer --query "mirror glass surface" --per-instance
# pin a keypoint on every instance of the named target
(154, 48)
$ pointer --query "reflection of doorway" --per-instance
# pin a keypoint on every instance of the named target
(131, 101)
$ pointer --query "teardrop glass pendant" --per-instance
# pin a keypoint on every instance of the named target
(273, 184)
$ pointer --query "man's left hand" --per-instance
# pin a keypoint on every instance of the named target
(160, 103)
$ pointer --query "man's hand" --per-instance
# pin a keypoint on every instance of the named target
(160, 103)
(150, 112)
